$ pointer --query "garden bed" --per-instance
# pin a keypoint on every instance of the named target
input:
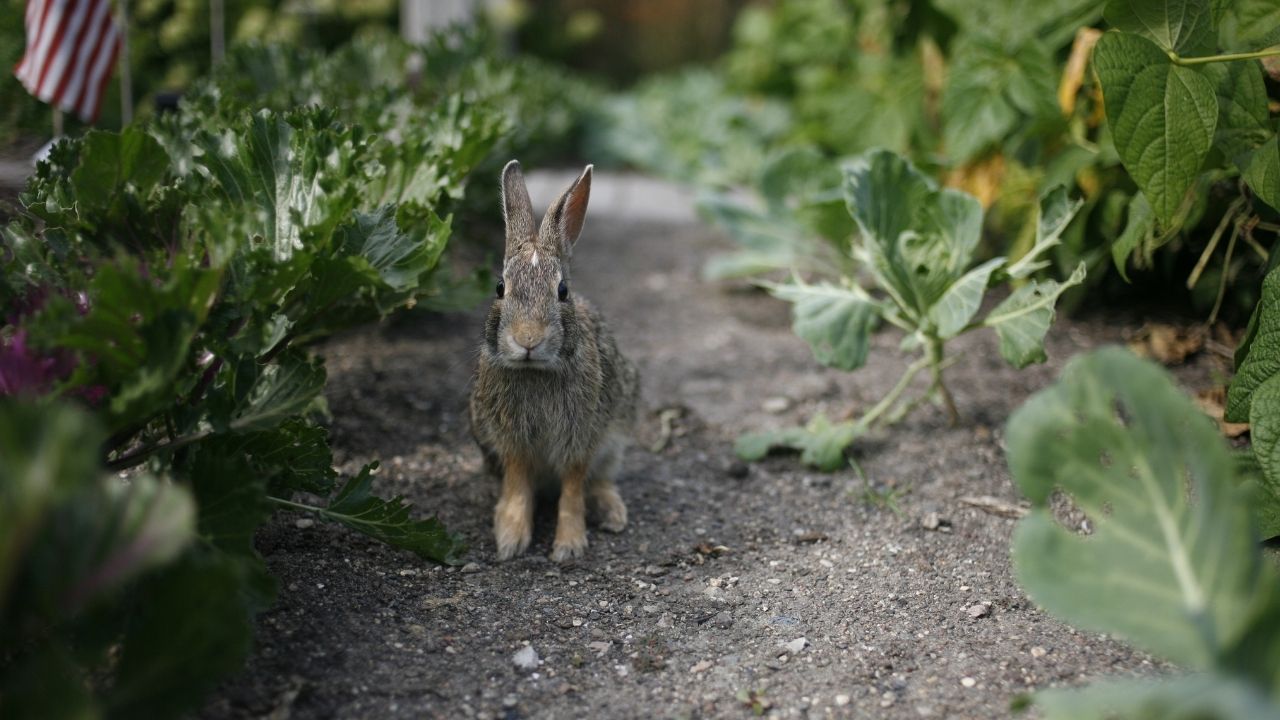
(901, 590)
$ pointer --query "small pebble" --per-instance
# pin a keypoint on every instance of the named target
(1038, 652)
(842, 700)
(888, 698)
(509, 701)
(526, 658)
(968, 682)
(700, 666)
(471, 568)
(775, 405)
(795, 646)
(304, 523)
(979, 610)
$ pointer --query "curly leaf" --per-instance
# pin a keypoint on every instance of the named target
(1172, 563)
(1162, 117)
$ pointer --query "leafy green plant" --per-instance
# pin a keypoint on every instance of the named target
(1187, 104)
(917, 244)
(1171, 563)
(160, 288)
(1254, 397)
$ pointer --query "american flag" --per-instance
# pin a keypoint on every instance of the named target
(71, 47)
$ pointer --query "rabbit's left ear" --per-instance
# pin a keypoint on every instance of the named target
(565, 217)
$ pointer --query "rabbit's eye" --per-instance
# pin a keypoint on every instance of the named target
(502, 288)
(563, 291)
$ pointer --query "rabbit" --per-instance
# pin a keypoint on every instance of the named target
(553, 401)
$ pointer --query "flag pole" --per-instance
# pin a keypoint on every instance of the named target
(126, 77)
(57, 122)
(217, 30)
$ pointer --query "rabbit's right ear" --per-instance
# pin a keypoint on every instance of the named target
(517, 209)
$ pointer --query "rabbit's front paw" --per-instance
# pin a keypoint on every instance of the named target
(571, 541)
(613, 513)
(512, 529)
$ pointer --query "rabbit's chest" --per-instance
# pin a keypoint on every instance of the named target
(555, 422)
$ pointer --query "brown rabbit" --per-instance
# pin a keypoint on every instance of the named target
(553, 400)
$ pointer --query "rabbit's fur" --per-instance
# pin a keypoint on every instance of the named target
(553, 399)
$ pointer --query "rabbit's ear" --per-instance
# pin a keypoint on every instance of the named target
(565, 217)
(517, 209)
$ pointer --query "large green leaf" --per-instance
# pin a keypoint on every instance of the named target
(115, 164)
(1171, 563)
(1250, 25)
(957, 306)
(1261, 360)
(821, 443)
(1162, 117)
(1138, 230)
(835, 321)
(1243, 119)
(1183, 26)
(1191, 697)
(1022, 319)
(286, 388)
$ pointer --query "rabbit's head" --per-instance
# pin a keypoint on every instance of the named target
(534, 305)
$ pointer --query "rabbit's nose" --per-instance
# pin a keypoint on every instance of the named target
(527, 339)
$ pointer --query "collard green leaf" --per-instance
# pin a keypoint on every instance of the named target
(916, 239)
(1183, 26)
(821, 443)
(769, 239)
(113, 164)
(389, 521)
(1261, 360)
(1022, 319)
(1209, 696)
(1162, 117)
(1056, 210)
(835, 321)
(1171, 564)
(957, 306)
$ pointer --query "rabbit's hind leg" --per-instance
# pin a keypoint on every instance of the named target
(605, 500)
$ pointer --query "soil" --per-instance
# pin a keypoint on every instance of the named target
(815, 595)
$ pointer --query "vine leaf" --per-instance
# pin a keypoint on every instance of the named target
(1162, 117)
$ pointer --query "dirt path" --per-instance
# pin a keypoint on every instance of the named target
(659, 621)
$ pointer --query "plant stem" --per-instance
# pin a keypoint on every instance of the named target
(874, 413)
(935, 359)
(140, 455)
(1229, 57)
(1226, 270)
(1213, 243)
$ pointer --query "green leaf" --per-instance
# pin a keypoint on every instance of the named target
(1055, 212)
(957, 306)
(1023, 319)
(192, 626)
(915, 238)
(1171, 564)
(1138, 231)
(285, 388)
(1261, 361)
(1189, 697)
(113, 164)
(1264, 429)
(992, 90)
(835, 321)
(1183, 26)
(1243, 120)
(770, 239)
(388, 521)
(1263, 172)
(1250, 25)
(1162, 117)
(821, 443)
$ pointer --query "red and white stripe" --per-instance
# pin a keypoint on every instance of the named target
(72, 46)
